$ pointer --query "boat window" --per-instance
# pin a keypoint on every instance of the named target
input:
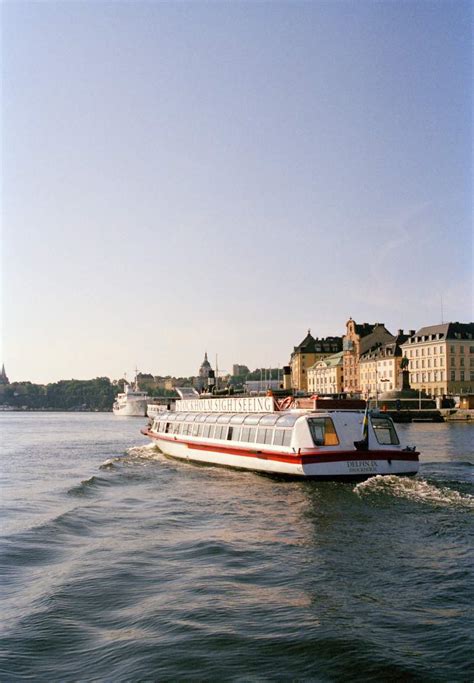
(206, 430)
(167, 427)
(234, 433)
(287, 420)
(252, 419)
(237, 419)
(245, 434)
(196, 428)
(171, 417)
(181, 417)
(323, 431)
(252, 434)
(190, 417)
(212, 429)
(201, 417)
(223, 419)
(278, 438)
(218, 431)
(264, 435)
(384, 431)
(211, 418)
(287, 437)
(269, 419)
(185, 428)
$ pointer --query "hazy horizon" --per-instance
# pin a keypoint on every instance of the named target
(188, 177)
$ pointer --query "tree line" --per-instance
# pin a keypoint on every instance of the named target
(93, 394)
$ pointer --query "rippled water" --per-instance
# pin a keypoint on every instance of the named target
(119, 564)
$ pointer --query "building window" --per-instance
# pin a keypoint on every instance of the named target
(453, 375)
(461, 349)
(462, 376)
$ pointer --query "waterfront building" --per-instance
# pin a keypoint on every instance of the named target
(307, 354)
(380, 366)
(326, 376)
(240, 370)
(441, 358)
(358, 339)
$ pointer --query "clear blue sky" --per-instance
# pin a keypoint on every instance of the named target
(189, 176)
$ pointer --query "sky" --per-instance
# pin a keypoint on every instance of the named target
(182, 177)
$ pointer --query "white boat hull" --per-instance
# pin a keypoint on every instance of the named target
(131, 409)
(322, 464)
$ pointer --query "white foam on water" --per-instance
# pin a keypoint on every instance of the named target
(417, 490)
(147, 452)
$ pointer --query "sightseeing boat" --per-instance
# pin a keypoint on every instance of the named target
(259, 433)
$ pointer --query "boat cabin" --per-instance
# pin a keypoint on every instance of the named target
(292, 431)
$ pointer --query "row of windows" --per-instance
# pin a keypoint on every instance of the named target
(377, 375)
(454, 376)
(416, 363)
(281, 420)
(261, 435)
(414, 353)
(428, 351)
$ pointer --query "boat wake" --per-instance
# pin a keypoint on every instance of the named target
(417, 490)
(133, 455)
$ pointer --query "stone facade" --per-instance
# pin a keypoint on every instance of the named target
(326, 375)
(358, 339)
(307, 354)
(380, 367)
(441, 359)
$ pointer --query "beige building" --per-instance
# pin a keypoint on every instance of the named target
(441, 359)
(307, 354)
(380, 367)
(358, 339)
(326, 375)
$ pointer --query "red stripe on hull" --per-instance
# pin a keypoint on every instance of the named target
(314, 456)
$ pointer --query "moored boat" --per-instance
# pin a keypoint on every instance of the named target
(254, 433)
(131, 402)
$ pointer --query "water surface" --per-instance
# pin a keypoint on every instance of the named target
(119, 564)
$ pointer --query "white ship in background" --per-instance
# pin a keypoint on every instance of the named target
(132, 402)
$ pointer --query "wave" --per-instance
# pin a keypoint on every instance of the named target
(87, 486)
(132, 455)
(417, 490)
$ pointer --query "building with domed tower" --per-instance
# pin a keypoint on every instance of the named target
(205, 372)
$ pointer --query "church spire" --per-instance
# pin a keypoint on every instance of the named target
(3, 376)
